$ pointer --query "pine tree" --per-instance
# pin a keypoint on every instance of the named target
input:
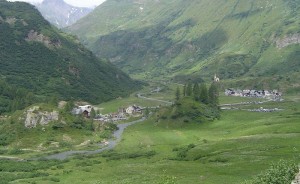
(213, 94)
(189, 89)
(203, 93)
(196, 91)
(184, 91)
(146, 112)
(92, 113)
(69, 107)
(177, 94)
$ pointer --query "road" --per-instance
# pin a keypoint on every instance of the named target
(153, 99)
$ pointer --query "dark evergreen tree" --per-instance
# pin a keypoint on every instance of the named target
(213, 94)
(177, 94)
(184, 91)
(203, 94)
(146, 112)
(196, 91)
(92, 113)
(69, 107)
(189, 89)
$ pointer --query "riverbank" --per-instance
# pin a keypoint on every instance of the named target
(110, 144)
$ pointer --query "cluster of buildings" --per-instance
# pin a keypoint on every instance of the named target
(122, 114)
(274, 94)
(264, 110)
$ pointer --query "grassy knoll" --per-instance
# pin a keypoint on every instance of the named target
(237, 147)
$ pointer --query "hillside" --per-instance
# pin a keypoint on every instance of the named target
(38, 60)
(60, 13)
(243, 40)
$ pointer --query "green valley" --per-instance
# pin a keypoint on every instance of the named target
(252, 40)
(170, 92)
(232, 149)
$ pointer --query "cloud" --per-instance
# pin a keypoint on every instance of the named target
(78, 3)
(85, 3)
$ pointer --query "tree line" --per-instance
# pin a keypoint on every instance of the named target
(200, 93)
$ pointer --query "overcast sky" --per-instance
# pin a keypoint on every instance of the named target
(79, 3)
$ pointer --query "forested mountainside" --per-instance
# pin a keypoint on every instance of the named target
(36, 61)
(60, 13)
(235, 39)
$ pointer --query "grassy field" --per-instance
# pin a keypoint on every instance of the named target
(167, 93)
(237, 147)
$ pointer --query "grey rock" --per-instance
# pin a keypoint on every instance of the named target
(288, 40)
(35, 117)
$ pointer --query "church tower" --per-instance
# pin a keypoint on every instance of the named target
(216, 79)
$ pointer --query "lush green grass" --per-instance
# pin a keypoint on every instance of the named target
(167, 93)
(230, 150)
(114, 105)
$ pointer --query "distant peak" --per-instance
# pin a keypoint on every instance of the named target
(54, 1)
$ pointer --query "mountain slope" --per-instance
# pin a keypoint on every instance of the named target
(37, 57)
(60, 13)
(175, 38)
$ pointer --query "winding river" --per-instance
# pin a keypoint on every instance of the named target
(111, 143)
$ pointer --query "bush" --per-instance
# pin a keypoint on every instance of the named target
(182, 152)
(4, 139)
(54, 179)
(282, 172)
(119, 156)
(15, 151)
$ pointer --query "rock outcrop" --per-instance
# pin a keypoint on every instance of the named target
(297, 179)
(36, 117)
(288, 40)
(35, 36)
(11, 20)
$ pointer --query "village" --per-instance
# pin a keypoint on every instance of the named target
(269, 94)
(121, 115)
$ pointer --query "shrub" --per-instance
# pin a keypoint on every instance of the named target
(54, 179)
(15, 151)
(282, 172)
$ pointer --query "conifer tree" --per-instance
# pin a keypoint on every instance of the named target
(92, 113)
(184, 91)
(69, 106)
(146, 112)
(203, 94)
(196, 91)
(177, 94)
(213, 94)
(189, 89)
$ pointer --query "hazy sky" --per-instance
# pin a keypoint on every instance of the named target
(79, 3)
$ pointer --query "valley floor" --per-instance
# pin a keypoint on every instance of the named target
(232, 149)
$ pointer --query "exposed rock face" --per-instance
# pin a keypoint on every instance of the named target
(297, 179)
(288, 40)
(35, 117)
(35, 36)
(11, 20)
